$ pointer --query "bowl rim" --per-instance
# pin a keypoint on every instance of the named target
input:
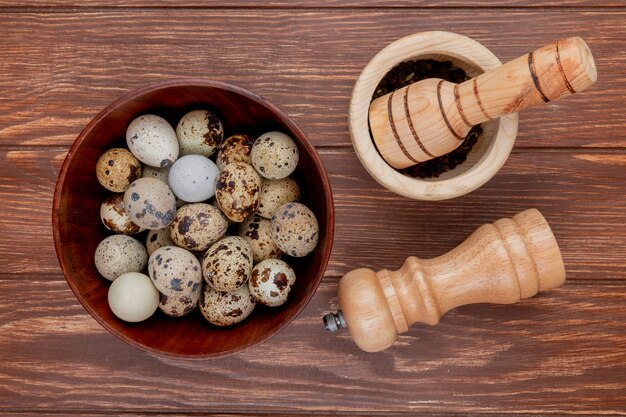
(410, 47)
(199, 82)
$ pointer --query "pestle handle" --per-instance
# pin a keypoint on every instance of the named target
(502, 263)
(554, 71)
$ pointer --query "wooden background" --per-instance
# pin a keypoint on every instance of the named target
(564, 352)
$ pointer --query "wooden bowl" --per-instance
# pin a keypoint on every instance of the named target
(487, 156)
(78, 229)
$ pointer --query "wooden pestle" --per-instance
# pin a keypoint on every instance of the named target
(432, 117)
(502, 263)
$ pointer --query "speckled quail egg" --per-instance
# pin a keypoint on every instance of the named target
(274, 155)
(158, 173)
(175, 306)
(199, 132)
(132, 297)
(256, 231)
(116, 169)
(197, 226)
(115, 217)
(295, 229)
(119, 254)
(275, 193)
(228, 263)
(174, 271)
(236, 148)
(157, 239)
(271, 282)
(237, 191)
(152, 140)
(192, 178)
(226, 308)
(150, 203)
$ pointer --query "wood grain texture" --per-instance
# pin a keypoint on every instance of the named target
(561, 352)
(60, 69)
(582, 194)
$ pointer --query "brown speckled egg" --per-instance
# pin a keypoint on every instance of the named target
(158, 173)
(152, 140)
(271, 282)
(150, 203)
(119, 254)
(275, 193)
(228, 263)
(295, 229)
(157, 239)
(256, 231)
(180, 306)
(115, 217)
(226, 308)
(197, 226)
(116, 169)
(237, 191)
(199, 132)
(174, 271)
(274, 155)
(236, 148)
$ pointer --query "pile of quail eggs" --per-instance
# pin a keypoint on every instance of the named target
(217, 228)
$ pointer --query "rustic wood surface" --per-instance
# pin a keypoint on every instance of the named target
(561, 353)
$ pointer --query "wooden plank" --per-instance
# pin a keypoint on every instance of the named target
(60, 69)
(582, 193)
(562, 352)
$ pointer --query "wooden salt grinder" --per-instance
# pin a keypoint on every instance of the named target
(432, 117)
(500, 263)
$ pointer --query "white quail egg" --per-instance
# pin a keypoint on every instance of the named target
(115, 217)
(116, 169)
(175, 306)
(150, 203)
(274, 155)
(152, 140)
(295, 229)
(257, 232)
(236, 148)
(271, 281)
(228, 263)
(192, 178)
(197, 226)
(226, 308)
(119, 254)
(174, 271)
(132, 297)
(157, 239)
(237, 191)
(199, 132)
(275, 193)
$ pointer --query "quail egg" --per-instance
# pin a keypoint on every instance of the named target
(295, 229)
(226, 308)
(175, 306)
(199, 132)
(274, 155)
(271, 282)
(237, 191)
(228, 263)
(192, 178)
(152, 140)
(132, 297)
(115, 217)
(158, 173)
(275, 193)
(150, 203)
(236, 148)
(197, 226)
(174, 271)
(157, 239)
(256, 231)
(116, 169)
(119, 254)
